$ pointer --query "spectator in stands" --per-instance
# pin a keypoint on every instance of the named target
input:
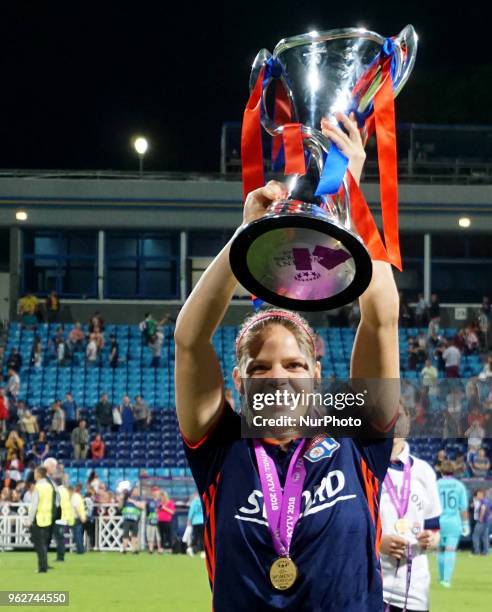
(148, 327)
(15, 467)
(419, 420)
(96, 322)
(29, 424)
(91, 352)
(99, 339)
(471, 341)
(78, 507)
(4, 411)
(114, 352)
(434, 315)
(93, 482)
(28, 493)
(441, 457)
(127, 418)
(152, 534)
(141, 413)
(480, 464)
(104, 414)
(80, 441)
(54, 341)
(165, 513)
(408, 396)
(413, 352)
(21, 410)
(5, 496)
(155, 344)
(422, 347)
(72, 413)
(475, 434)
(454, 401)
(452, 358)
(103, 495)
(429, 374)
(405, 317)
(117, 422)
(13, 385)
(37, 353)
(52, 305)
(28, 309)
(40, 448)
(460, 466)
(76, 339)
(195, 519)
(97, 448)
(486, 373)
(319, 346)
(14, 445)
(482, 512)
(131, 506)
(90, 524)
(14, 360)
(58, 418)
(60, 352)
(475, 416)
(421, 311)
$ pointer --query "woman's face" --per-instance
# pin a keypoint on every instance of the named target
(275, 354)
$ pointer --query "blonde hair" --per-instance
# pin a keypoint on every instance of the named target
(259, 321)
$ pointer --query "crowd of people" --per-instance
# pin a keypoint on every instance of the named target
(75, 507)
(62, 345)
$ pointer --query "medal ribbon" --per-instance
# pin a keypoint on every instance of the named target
(283, 508)
(400, 504)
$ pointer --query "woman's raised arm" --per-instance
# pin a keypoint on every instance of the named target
(198, 375)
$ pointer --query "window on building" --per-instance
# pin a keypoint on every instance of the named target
(64, 261)
(142, 265)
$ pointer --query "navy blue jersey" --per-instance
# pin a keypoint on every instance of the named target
(335, 543)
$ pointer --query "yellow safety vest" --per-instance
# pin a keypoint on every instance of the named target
(67, 513)
(78, 503)
(44, 513)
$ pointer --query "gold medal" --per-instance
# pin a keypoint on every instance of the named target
(402, 526)
(283, 573)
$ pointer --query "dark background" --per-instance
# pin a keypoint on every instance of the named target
(80, 79)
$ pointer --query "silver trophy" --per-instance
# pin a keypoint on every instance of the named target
(304, 253)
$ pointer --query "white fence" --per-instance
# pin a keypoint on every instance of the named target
(14, 533)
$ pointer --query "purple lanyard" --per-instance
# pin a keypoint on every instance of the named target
(283, 508)
(400, 504)
(401, 507)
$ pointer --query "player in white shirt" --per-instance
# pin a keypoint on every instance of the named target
(409, 529)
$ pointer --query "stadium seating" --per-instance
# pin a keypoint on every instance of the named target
(161, 448)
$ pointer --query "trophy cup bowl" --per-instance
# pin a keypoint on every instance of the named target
(304, 254)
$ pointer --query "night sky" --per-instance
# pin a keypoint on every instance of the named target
(80, 79)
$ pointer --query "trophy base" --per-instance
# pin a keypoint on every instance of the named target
(301, 258)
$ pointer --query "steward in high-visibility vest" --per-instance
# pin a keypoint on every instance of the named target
(41, 517)
(67, 518)
(80, 516)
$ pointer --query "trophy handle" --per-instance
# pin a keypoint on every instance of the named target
(262, 60)
(406, 43)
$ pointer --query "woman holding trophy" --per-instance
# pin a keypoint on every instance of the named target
(320, 553)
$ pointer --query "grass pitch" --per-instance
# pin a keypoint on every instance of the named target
(110, 582)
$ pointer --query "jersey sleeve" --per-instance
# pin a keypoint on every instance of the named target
(376, 453)
(463, 498)
(206, 456)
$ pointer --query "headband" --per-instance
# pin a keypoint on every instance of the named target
(281, 314)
